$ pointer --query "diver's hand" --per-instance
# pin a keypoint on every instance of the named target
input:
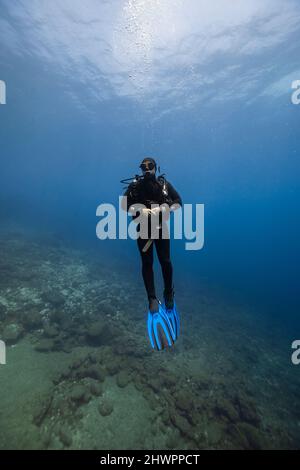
(155, 211)
(146, 212)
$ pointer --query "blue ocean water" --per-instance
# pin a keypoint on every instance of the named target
(206, 89)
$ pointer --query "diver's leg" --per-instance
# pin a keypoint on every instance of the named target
(147, 268)
(163, 253)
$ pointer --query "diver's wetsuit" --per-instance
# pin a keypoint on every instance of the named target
(147, 192)
(163, 252)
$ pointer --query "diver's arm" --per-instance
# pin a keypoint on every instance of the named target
(175, 198)
(127, 204)
(131, 204)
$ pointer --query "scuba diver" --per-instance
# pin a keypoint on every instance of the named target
(156, 198)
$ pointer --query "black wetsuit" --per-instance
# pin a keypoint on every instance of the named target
(147, 192)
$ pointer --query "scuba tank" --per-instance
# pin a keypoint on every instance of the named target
(132, 183)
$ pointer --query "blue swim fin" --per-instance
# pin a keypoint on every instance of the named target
(173, 317)
(160, 330)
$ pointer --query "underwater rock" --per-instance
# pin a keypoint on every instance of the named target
(214, 433)
(99, 332)
(248, 413)
(46, 439)
(12, 333)
(129, 349)
(78, 361)
(172, 441)
(75, 284)
(170, 379)
(105, 407)
(61, 318)
(147, 393)
(165, 417)
(54, 298)
(66, 410)
(45, 345)
(139, 367)
(153, 403)
(42, 406)
(103, 355)
(138, 385)
(79, 394)
(76, 328)
(32, 320)
(56, 378)
(113, 366)
(94, 372)
(196, 417)
(247, 410)
(96, 389)
(200, 439)
(81, 368)
(226, 409)
(50, 331)
(106, 307)
(3, 311)
(123, 379)
(239, 438)
(65, 373)
(252, 434)
(203, 381)
(96, 329)
(155, 384)
(97, 372)
(63, 343)
(184, 401)
(93, 358)
(65, 437)
(182, 425)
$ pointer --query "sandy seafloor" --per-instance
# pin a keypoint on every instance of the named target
(80, 373)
